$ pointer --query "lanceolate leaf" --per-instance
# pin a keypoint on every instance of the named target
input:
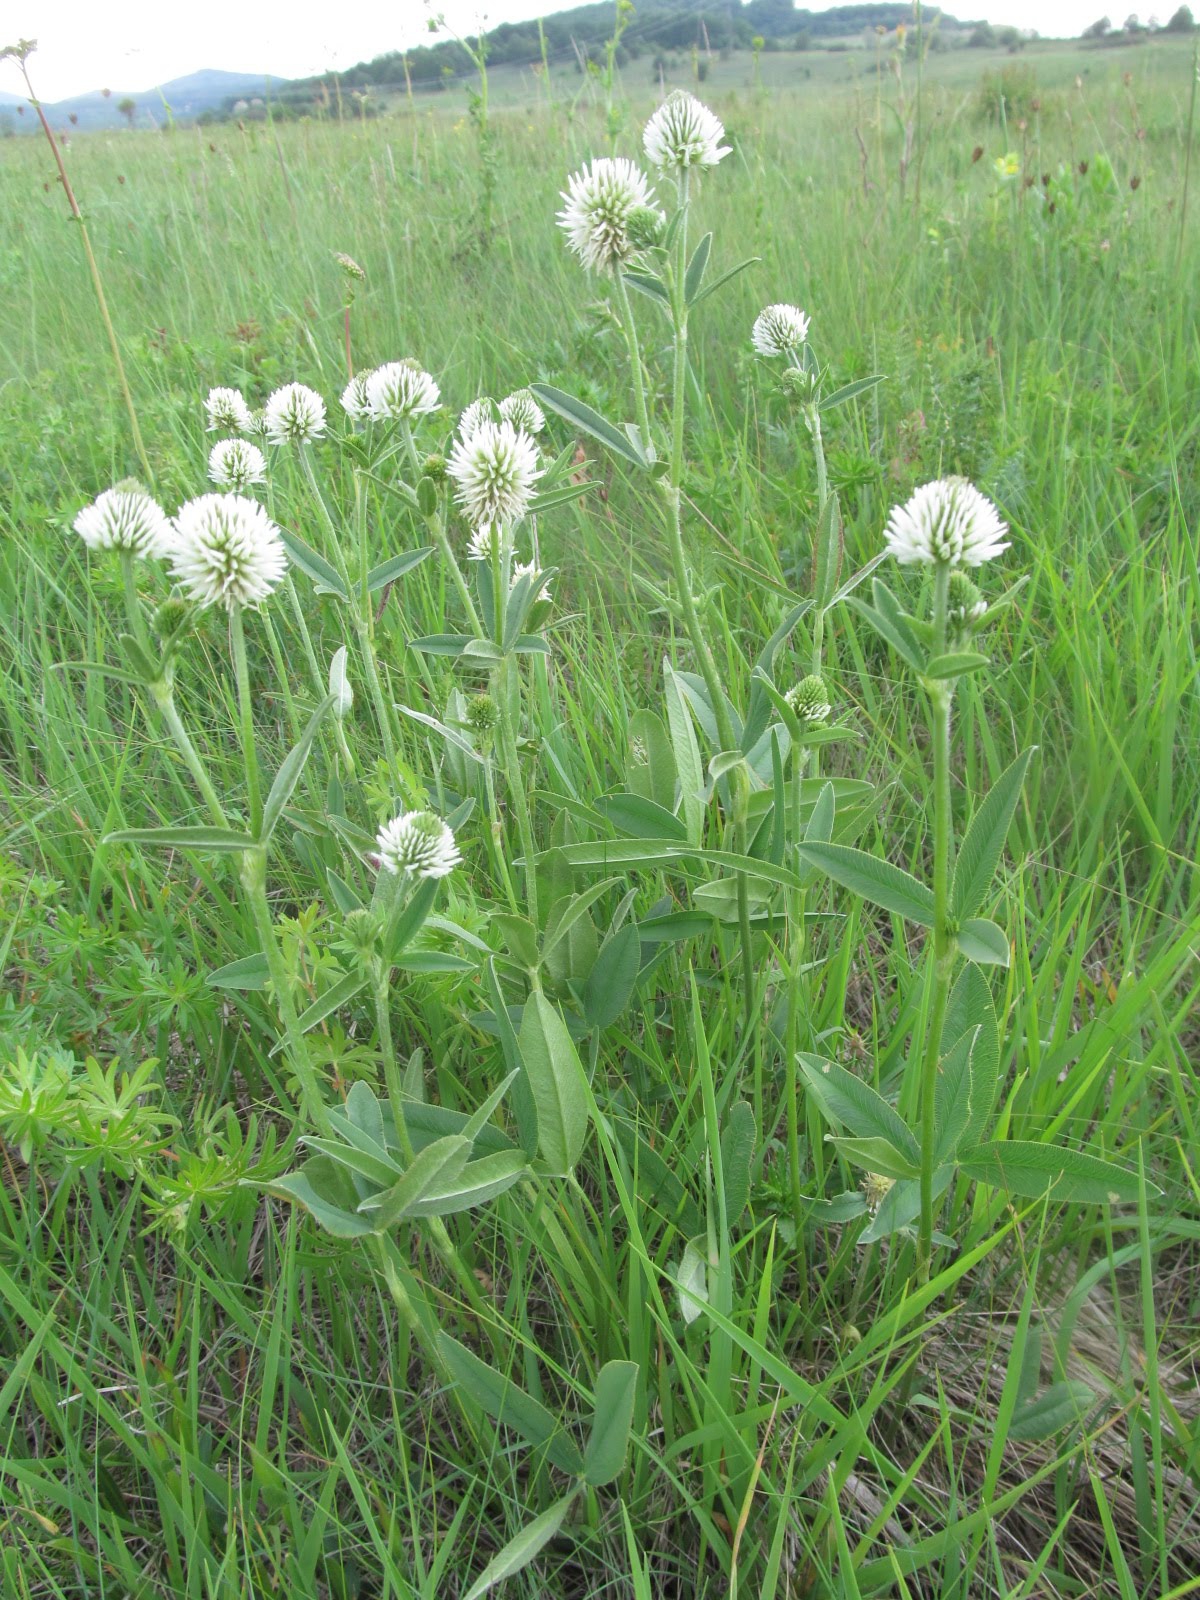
(314, 565)
(555, 1076)
(875, 1155)
(873, 879)
(854, 1105)
(1032, 1170)
(616, 1389)
(388, 571)
(984, 840)
(443, 1160)
(507, 1403)
(289, 772)
(522, 1548)
(952, 1098)
(694, 275)
(588, 420)
(970, 1011)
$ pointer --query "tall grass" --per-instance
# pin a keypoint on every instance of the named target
(202, 1395)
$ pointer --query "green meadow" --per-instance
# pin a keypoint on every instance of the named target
(683, 1342)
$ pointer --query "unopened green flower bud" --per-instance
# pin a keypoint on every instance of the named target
(645, 226)
(359, 931)
(810, 699)
(172, 617)
(435, 468)
(482, 714)
(966, 606)
(798, 384)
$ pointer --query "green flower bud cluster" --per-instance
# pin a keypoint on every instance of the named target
(810, 699)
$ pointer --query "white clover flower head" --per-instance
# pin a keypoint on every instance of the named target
(482, 544)
(294, 414)
(523, 411)
(945, 522)
(257, 426)
(236, 464)
(809, 699)
(479, 411)
(400, 391)
(227, 411)
(227, 551)
(125, 518)
(683, 133)
(600, 200)
(354, 398)
(420, 843)
(528, 569)
(779, 331)
(495, 470)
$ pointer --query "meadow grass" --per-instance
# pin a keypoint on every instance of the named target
(203, 1395)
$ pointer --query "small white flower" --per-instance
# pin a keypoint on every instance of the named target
(495, 470)
(420, 843)
(683, 133)
(946, 521)
(400, 391)
(227, 551)
(596, 216)
(523, 411)
(526, 569)
(354, 398)
(779, 330)
(294, 415)
(236, 464)
(125, 518)
(227, 411)
(481, 410)
(482, 544)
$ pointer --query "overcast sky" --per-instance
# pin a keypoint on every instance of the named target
(135, 44)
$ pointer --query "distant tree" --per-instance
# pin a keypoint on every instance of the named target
(982, 37)
(1181, 22)
(1097, 30)
(127, 108)
(1133, 24)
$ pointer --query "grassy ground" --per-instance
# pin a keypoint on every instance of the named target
(204, 1395)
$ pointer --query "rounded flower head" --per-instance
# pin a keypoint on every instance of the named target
(600, 201)
(495, 470)
(400, 391)
(523, 411)
(947, 521)
(420, 843)
(294, 414)
(236, 464)
(683, 133)
(966, 607)
(482, 544)
(779, 330)
(481, 410)
(354, 398)
(809, 699)
(125, 518)
(227, 411)
(227, 551)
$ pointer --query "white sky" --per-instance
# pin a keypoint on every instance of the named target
(136, 44)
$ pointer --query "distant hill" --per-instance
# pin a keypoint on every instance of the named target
(187, 97)
(582, 33)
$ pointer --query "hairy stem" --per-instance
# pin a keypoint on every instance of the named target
(943, 945)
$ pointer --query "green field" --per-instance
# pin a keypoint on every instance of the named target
(688, 1346)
